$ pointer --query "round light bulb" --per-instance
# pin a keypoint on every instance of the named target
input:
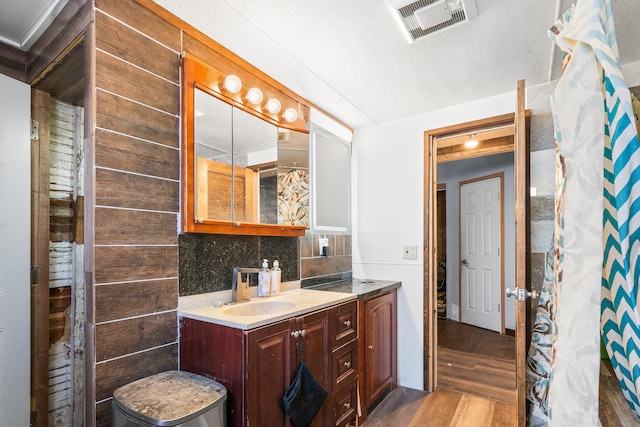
(273, 106)
(254, 96)
(232, 83)
(290, 115)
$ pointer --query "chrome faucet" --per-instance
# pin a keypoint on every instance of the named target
(238, 287)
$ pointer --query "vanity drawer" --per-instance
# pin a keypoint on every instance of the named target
(345, 327)
(345, 364)
(345, 405)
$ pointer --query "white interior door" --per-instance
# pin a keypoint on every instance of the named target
(15, 252)
(480, 241)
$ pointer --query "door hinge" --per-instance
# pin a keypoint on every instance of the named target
(34, 129)
(34, 275)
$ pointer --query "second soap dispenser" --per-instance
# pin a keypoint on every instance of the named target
(275, 278)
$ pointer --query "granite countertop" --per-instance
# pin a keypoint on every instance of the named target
(264, 311)
(362, 288)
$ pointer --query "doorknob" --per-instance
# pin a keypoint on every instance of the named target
(521, 294)
(465, 263)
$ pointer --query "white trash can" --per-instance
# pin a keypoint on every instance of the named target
(172, 398)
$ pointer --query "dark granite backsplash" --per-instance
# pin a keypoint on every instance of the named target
(207, 260)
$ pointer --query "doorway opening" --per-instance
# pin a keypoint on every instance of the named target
(445, 151)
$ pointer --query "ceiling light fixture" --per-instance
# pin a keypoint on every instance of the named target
(254, 96)
(273, 106)
(232, 83)
(472, 142)
(290, 115)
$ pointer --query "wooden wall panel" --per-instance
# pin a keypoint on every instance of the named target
(121, 78)
(129, 227)
(120, 300)
(13, 62)
(127, 263)
(124, 153)
(69, 25)
(115, 339)
(125, 190)
(131, 46)
(137, 173)
(118, 372)
(131, 118)
(142, 20)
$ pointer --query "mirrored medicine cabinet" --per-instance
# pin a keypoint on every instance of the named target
(245, 169)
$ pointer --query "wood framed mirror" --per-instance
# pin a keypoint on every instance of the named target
(233, 179)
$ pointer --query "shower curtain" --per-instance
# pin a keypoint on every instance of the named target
(593, 269)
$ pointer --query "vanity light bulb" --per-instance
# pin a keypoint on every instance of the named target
(273, 106)
(254, 96)
(290, 115)
(232, 83)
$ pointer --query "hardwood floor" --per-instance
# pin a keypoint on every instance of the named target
(417, 408)
(476, 361)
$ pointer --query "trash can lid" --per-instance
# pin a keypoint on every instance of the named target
(169, 398)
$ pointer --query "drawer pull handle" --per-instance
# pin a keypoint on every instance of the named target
(347, 364)
(347, 405)
(347, 323)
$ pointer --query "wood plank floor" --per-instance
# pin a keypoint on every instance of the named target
(476, 361)
(417, 408)
(443, 408)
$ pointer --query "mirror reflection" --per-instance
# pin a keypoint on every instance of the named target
(247, 170)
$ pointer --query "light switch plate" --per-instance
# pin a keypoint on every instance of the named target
(410, 252)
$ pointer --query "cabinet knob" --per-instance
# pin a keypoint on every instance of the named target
(370, 347)
(347, 364)
(295, 334)
(347, 323)
(303, 333)
(347, 405)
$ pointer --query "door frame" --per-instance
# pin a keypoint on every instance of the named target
(435, 142)
(500, 177)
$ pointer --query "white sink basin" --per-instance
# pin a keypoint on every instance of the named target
(264, 311)
(258, 308)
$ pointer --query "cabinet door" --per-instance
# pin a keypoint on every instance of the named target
(270, 369)
(380, 345)
(313, 349)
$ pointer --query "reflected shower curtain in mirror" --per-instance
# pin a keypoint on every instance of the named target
(293, 198)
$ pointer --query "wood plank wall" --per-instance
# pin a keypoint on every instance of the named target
(136, 184)
(66, 301)
(132, 317)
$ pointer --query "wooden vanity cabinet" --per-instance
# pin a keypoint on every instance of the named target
(378, 347)
(258, 365)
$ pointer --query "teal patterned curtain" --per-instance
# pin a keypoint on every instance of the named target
(597, 153)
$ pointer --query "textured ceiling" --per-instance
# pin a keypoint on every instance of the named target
(350, 58)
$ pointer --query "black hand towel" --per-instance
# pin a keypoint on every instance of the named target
(304, 397)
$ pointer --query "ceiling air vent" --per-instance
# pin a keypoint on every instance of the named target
(420, 18)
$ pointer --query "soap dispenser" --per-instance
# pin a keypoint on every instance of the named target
(264, 280)
(275, 278)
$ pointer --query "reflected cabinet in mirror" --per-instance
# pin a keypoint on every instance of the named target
(245, 167)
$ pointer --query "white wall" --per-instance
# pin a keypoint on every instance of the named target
(388, 182)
